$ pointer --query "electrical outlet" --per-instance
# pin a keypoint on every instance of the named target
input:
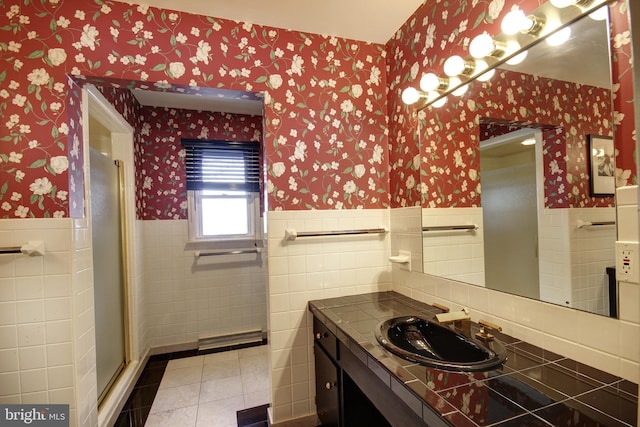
(627, 269)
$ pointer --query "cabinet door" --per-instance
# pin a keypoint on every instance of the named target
(327, 389)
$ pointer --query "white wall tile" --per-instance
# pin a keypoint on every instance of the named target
(32, 357)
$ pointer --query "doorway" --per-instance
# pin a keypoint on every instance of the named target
(508, 169)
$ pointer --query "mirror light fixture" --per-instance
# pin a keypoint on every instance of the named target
(456, 65)
(519, 31)
(517, 22)
(484, 45)
(431, 82)
(410, 96)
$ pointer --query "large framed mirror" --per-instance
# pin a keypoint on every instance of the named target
(521, 216)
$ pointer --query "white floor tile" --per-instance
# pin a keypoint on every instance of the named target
(220, 389)
(220, 412)
(176, 397)
(221, 369)
(185, 362)
(183, 417)
(207, 391)
(216, 357)
(181, 376)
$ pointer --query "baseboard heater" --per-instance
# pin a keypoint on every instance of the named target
(237, 338)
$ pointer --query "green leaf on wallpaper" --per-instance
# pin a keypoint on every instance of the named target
(33, 198)
(348, 170)
(345, 89)
(115, 23)
(38, 164)
(304, 191)
(4, 188)
(172, 40)
(479, 20)
(159, 67)
(301, 105)
(36, 54)
(96, 16)
(261, 79)
(60, 145)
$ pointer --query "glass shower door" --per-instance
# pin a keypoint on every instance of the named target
(108, 270)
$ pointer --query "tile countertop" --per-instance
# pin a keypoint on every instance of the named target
(533, 388)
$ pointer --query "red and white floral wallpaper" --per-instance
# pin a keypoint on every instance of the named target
(336, 133)
(565, 111)
(448, 137)
(325, 118)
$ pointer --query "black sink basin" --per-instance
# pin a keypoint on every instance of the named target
(429, 343)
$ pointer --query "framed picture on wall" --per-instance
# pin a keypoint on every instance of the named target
(602, 170)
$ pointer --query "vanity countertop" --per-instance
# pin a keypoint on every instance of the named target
(534, 387)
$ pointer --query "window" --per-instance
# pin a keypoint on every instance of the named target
(223, 184)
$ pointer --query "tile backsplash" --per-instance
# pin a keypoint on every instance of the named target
(314, 268)
(37, 303)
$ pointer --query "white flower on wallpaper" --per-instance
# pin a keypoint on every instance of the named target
(89, 36)
(277, 169)
(57, 56)
(59, 164)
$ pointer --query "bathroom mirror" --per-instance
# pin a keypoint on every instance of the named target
(531, 204)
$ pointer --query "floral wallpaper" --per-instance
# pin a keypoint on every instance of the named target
(449, 160)
(336, 134)
(325, 116)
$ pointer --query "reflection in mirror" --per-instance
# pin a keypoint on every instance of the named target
(527, 201)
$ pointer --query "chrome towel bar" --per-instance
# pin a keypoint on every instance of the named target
(32, 248)
(585, 224)
(292, 234)
(466, 227)
(199, 254)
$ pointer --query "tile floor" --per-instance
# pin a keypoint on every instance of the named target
(201, 390)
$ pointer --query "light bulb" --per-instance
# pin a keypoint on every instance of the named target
(600, 14)
(429, 82)
(410, 96)
(483, 75)
(529, 141)
(440, 102)
(561, 4)
(518, 58)
(454, 82)
(454, 66)
(559, 37)
(461, 90)
(514, 22)
(482, 45)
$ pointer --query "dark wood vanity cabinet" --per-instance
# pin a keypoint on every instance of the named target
(327, 388)
(340, 399)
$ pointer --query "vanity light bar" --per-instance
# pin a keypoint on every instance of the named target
(520, 31)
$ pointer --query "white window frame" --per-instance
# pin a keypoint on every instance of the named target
(194, 198)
